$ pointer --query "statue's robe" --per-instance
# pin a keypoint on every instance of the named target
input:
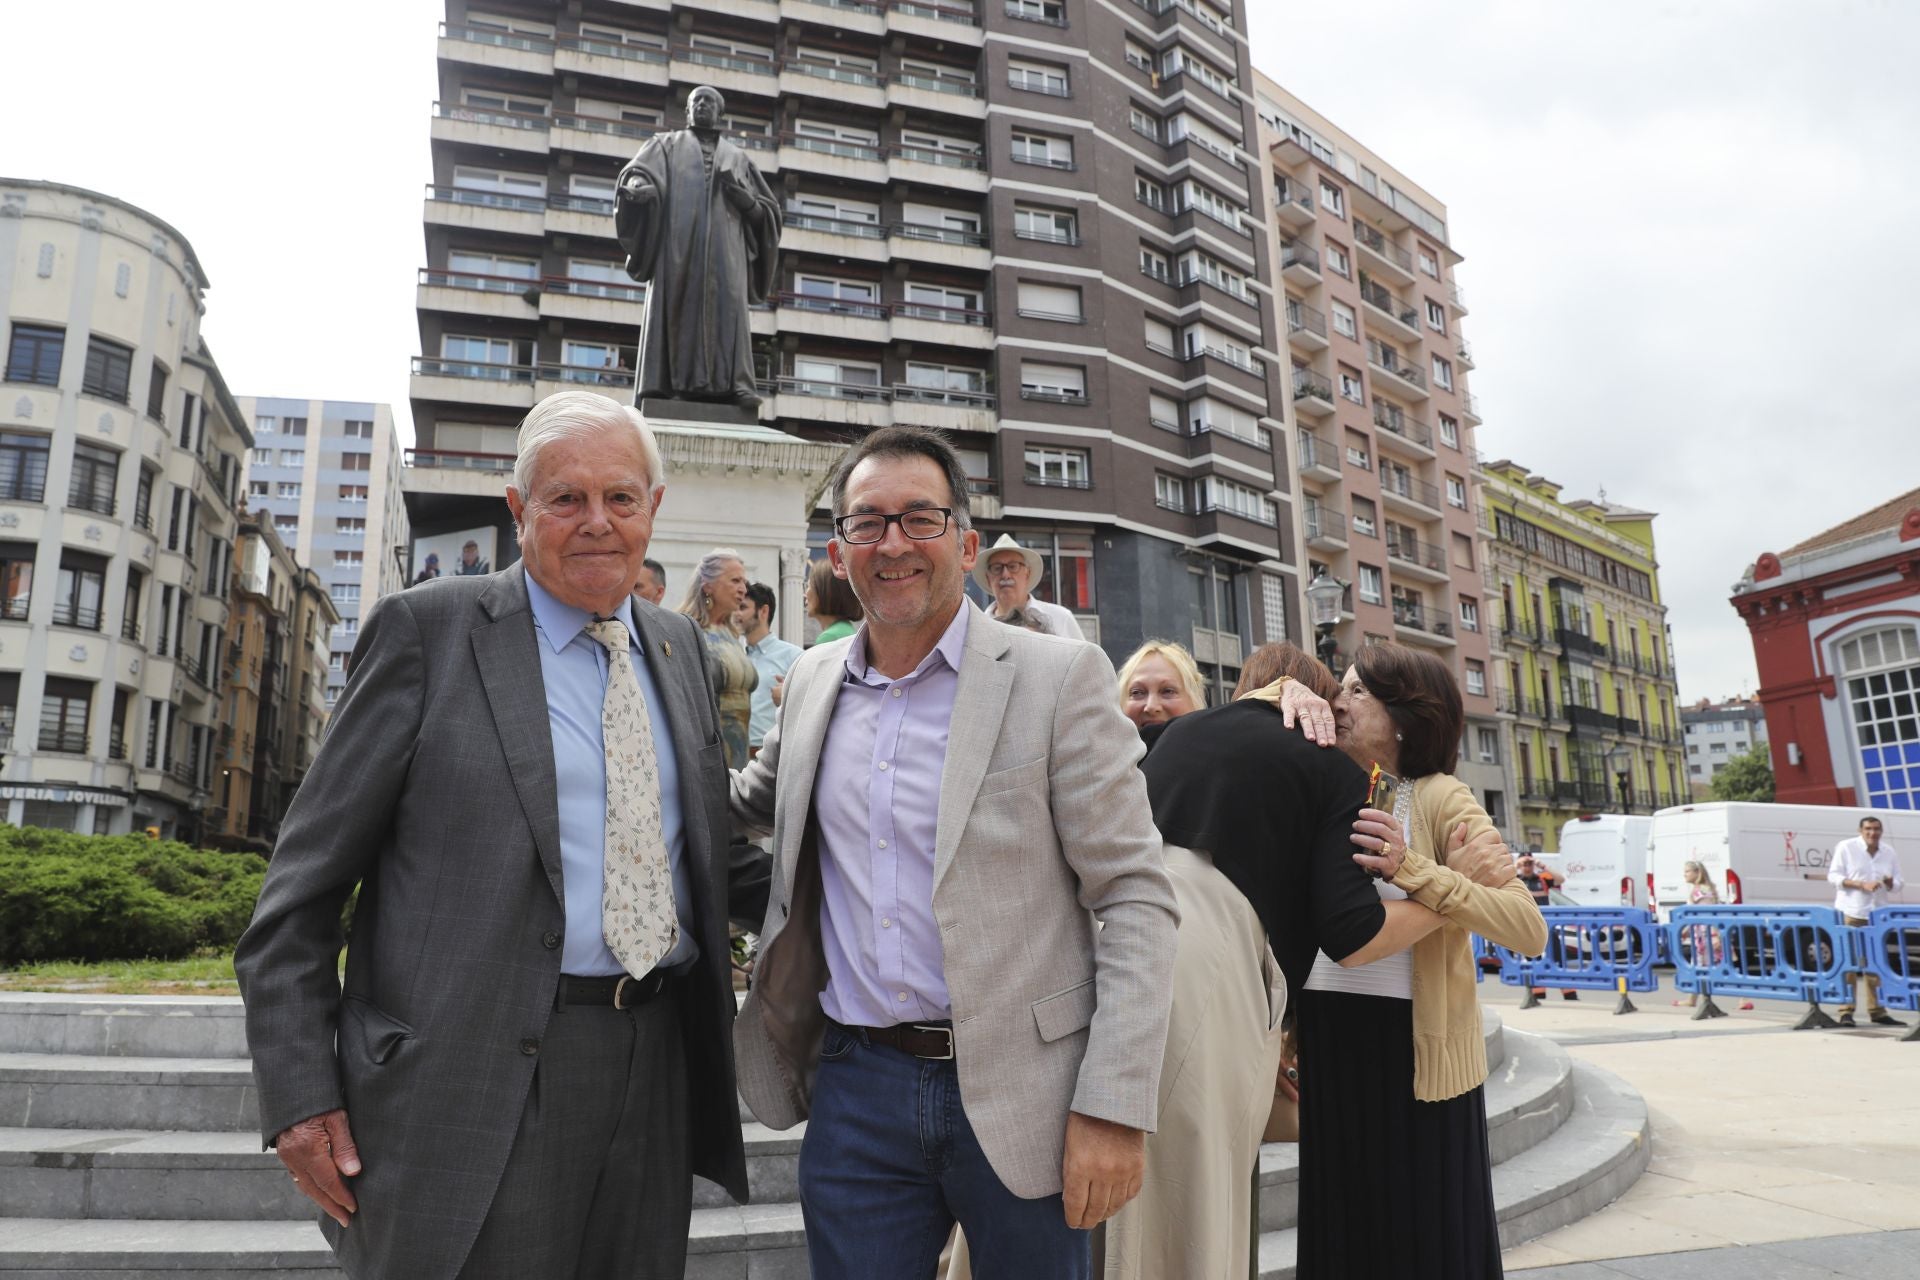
(703, 262)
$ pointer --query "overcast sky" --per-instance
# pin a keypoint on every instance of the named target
(1691, 229)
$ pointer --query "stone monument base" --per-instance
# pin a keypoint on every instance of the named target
(699, 411)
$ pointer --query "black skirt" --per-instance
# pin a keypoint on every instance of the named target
(1390, 1188)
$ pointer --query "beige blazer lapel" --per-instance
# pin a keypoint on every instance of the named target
(800, 759)
(979, 706)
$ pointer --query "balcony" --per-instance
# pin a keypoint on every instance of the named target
(1404, 490)
(1470, 408)
(1457, 298)
(1034, 13)
(1318, 459)
(953, 20)
(1465, 353)
(854, 320)
(68, 614)
(945, 408)
(469, 293)
(1325, 528)
(851, 86)
(472, 382)
(1521, 632)
(1414, 435)
(929, 322)
(1415, 622)
(1386, 257)
(1299, 262)
(1312, 392)
(1420, 559)
(1582, 716)
(749, 77)
(611, 60)
(1578, 642)
(71, 742)
(1402, 319)
(499, 50)
(490, 130)
(1306, 327)
(1408, 380)
(459, 460)
(1292, 203)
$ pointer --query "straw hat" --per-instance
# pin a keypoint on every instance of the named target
(1035, 567)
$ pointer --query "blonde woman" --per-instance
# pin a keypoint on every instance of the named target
(1706, 942)
(1160, 682)
(714, 596)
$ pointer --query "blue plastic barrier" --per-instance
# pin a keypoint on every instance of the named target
(1483, 951)
(1762, 953)
(1888, 946)
(1589, 949)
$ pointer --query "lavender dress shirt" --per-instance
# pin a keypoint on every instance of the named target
(877, 799)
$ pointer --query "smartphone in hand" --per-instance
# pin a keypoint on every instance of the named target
(1380, 789)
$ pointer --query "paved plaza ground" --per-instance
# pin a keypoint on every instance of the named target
(1776, 1153)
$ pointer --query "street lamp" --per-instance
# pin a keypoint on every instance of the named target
(1324, 596)
(1620, 760)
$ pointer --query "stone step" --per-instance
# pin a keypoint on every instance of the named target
(1585, 1165)
(85, 1091)
(82, 1249)
(137, 1174)
(123, 1026)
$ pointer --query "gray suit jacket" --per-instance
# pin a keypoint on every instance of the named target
(1044, 828)
(434, 791)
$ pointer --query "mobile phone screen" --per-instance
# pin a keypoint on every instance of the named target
(1380, 786)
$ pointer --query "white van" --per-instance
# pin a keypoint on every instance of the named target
(1762, 853)
(1603, 860)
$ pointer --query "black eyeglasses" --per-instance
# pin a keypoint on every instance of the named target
(922, 524)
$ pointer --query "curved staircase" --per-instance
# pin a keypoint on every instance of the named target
(128, 1149)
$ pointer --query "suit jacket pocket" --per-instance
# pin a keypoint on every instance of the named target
(1065, 1012)
(1021, 775)
(378, 1035)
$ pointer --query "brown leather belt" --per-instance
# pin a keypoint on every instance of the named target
(930, 1040)
(622, 991)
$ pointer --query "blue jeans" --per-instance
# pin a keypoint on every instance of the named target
(889, 1164)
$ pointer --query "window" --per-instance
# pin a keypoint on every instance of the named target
(1717, 748)
(353, 493)
(1039, 148)
(1057, 226)
(943, 378)
(108, 371)
(1336, 258)
(294, 426)
(1144, 123)
(1037, 77)
(360, 429)
(498, 181)
(1058, 468)
(1138, 55)
(288, 489)
(1163, 411)
(1169, 491)
(1200, 340)
(1487, 742)
(23, 467)
(263, 457)
(265, 425)
(1456, 492)
(1196, 264)
(1443, 372)
(63, 715)
(337, 660)
(1049, 302)
(1208, 414)
(1238, 499)
(1343, 320)
(1154, 263)
(1883, 700)
(1370, 590)
(16, 583)
(96, 473)
(1358, 452)
(356, 462)
(288, 527)
(1436, 316)
(157, 392)
(1350, 385)
(1462, 552)
(82, 587)
(143, 501)
(345, 592)
(1332, 199)
(1429, 263)
(1366, 517)
(347, 559)
(1052, 12)
(1470, 621)
(33, 354)
(1149, 192)
(352, 526)
(293, 458)
(1159, 337)
(845, 379)
(1449, 432)
(1058, 382)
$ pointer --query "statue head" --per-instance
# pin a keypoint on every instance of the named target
(705, 106)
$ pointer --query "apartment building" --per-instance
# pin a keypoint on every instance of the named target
(120, 460)
(1036, 224)
(327, 473)
(1589, 678)
(1719, 732)
(1379, 413)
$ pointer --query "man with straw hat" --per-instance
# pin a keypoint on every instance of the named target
(1009, 572)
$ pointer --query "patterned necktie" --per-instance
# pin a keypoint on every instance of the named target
(636, 903)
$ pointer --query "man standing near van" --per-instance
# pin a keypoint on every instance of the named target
(1864, 867)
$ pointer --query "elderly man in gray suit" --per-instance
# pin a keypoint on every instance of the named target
(965, 971)
(525, 778)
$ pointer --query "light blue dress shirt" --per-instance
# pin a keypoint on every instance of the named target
(772, 658)
(573, 666)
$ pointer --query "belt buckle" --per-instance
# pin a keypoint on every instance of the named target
(937, 1057)
(619, 990)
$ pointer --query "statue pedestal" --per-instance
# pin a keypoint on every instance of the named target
(656, 410)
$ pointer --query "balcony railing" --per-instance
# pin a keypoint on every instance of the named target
(1315, 452)
(611, 49)
(948, 159)
(459, 460)
(1387, 418)
(1382, 246)
(1325, 522)
(531, 121)
(1414, 551)
(831, 390)
(14, 608)
(1260, 437)
(963, 399)
(69, 741)
(835, 226)
(68, 614)
(720, 61)
(942, 235)
(1307, 383)
(1380, 299)
(1288, 192)
(830, 306)
(955, 85)
(475, 281)
(573, 287)
(828, 71)
(1031, 13)
(1407, 613)
(1301, 317)
(498, 39)
(1045, 481)
(1385, 357)
(1295, 254)
(1409, 487)
(497, 199)
(1522, 630)
(1578, 642)
(588, 375)
(1045, 236)
(1047, 395)
(130, 628)
(435, 367)
(944, 314)
(960, 15)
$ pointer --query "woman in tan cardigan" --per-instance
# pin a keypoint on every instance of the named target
(1395, 1176)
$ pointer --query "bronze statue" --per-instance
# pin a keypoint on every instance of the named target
(701, 226)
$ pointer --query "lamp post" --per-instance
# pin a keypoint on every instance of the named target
(1620, 760)
(1324, 595)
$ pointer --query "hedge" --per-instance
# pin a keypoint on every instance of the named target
(73, 897)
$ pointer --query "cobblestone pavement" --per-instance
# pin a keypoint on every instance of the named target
(1880, 1255)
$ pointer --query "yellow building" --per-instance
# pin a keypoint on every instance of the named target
(1588, 686)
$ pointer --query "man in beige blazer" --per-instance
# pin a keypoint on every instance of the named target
(964, 977)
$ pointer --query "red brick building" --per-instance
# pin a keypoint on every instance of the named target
(1836, 634)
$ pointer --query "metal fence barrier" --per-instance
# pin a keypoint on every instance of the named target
(1888, 947)
(1588, 949)
(1763, 953)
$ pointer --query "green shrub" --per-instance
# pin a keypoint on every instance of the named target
(71, 897)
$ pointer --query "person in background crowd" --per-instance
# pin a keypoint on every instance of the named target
(831, 603)
(1864, 867)
(429, 570)
(471, 565)
(532, 1075)
(1706, 942)
(1160, 681)
(652, 586)
(714, 595)
(771, 657)
(1538, 878)
(1009, 572)
(1392, 1059)
(962, 984)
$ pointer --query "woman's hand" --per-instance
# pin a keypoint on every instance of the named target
(1383, 845)
(1485, 859)
(1289, 1081)
(1313, 713)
